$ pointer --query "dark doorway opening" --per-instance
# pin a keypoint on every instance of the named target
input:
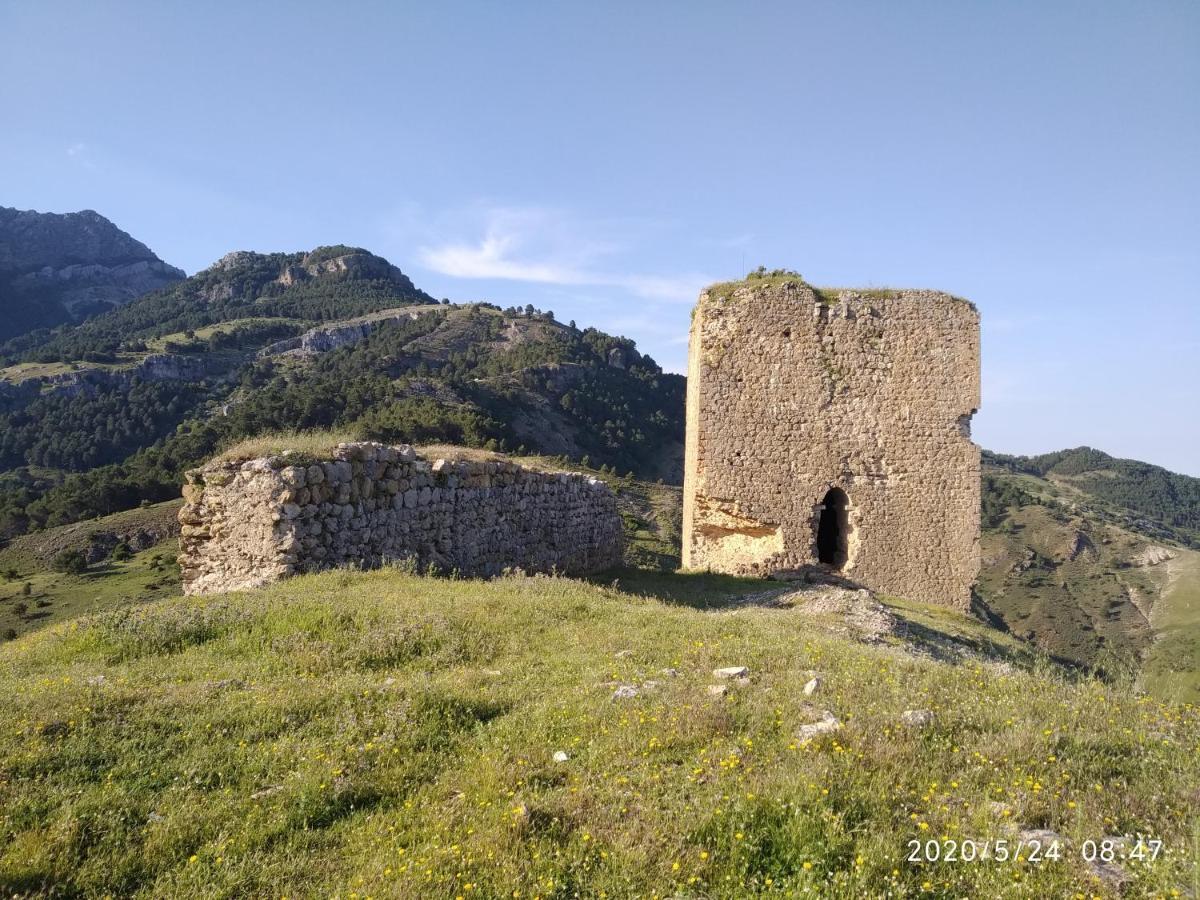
(833, 528)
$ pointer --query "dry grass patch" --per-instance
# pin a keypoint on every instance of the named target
(317, 444)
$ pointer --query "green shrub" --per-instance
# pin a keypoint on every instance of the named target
(73, 562)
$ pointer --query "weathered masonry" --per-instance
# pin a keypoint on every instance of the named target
(246, 524)
(832, 429)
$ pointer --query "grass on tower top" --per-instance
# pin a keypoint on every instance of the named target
(762, 277)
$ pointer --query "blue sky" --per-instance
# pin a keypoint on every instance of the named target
(605, 160)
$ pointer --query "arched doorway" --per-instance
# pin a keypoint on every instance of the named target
(833, 529)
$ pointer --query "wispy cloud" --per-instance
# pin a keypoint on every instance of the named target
(78, 152)
(545, 246)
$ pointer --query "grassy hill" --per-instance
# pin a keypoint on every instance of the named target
(379, 734)
(130, 559)
(1068, 567)
(1137, 496)
(1172, 664)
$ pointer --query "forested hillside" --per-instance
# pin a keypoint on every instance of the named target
(1155, 495)
(107, 414)
(326, 284)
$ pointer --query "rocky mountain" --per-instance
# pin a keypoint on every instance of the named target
(282, 290)
(63, 268)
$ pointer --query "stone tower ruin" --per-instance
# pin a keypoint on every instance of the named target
(831, 429)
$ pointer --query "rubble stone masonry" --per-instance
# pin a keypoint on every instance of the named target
(854, 405)
(246, 524)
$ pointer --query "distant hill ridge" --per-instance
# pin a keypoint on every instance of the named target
(1166, 497)
(31, 240)
(324, 284)
(58, 268)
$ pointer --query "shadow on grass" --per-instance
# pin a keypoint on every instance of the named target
(699, 590)
(951, 645)
(947, 647)
(712, 592)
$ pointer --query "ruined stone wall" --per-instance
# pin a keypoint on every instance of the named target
(792, 392)
(246, 524)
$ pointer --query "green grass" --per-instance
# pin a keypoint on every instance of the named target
(56, 596)
(698, 590)
(726, 289)
(23, 371)
(321, 444)
(159, 344)
(827, 295)
(305, 444)
(384, 735)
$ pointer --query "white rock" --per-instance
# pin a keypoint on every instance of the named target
(1110, 873)
(917, 718)
(828, 723)
(624, 692)
(731, 672)
(811, 687)
(560, 756)
(1152, 556)
(718, 690)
